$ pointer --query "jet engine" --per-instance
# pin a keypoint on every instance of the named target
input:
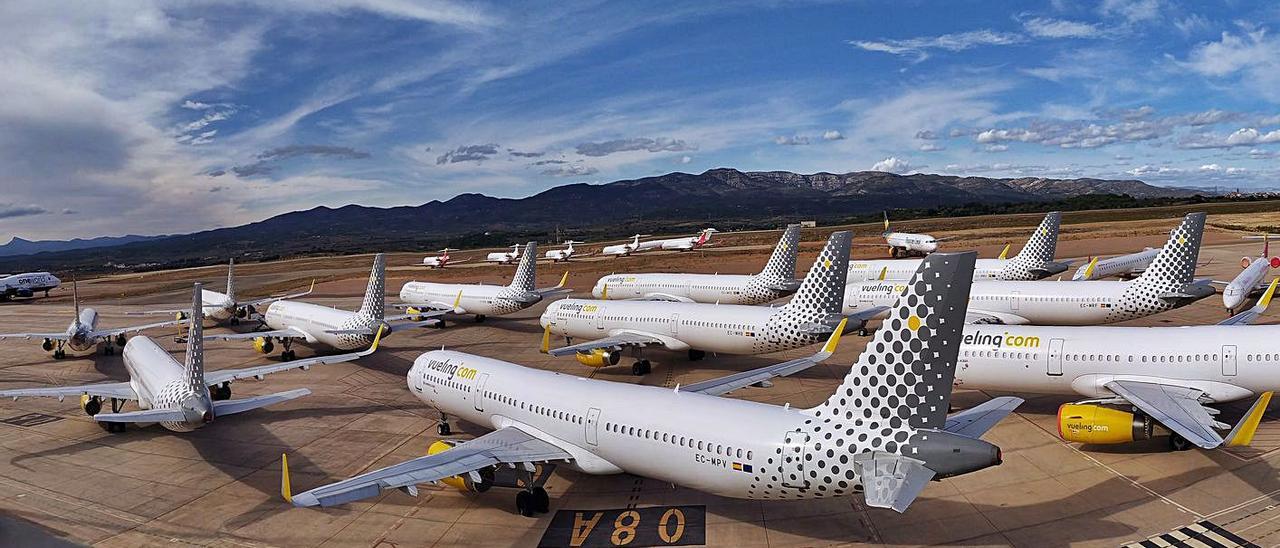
(1098, 424)
(24, 292)
(47, 345)
(91, 405)
(598, 358)
(463, 482)
(242, 312)
(121, 340)
(220, 392)
(263, 345)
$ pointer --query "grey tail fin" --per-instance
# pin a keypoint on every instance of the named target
(374, 305)
(1175, 265)
(822, 292)
(909, 366)
(194, 367)
(525, 273)
(1043, 243)
(782, 264)
(75, 297)
(231, 280)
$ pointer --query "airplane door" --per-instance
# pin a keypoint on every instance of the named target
(1014, 300)
(600, 318)
(484, 378)
(1055, 357)
(675, 325)
(793, 448)
(593, 421)
(1229, 360)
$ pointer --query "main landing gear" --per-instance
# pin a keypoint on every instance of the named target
(1179, 443)
(58, 352)
(92, 405)
(641, 368)
(534, 498)
(479, 318)
(287, 353)
(695, 355)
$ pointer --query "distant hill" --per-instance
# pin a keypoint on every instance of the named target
(19, 246)
(726, 198)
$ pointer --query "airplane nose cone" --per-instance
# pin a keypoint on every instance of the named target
(207, 417)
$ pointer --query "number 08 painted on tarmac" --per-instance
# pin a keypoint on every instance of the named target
(652, 526)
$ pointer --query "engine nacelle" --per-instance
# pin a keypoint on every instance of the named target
(24, 292)
(180, 316)
(464, 482)
(242, 312)
(91, 405)
(47, 345)
(598, 358)
(1097, 424)
(1245, 262)
(263, 345)
(121, 340)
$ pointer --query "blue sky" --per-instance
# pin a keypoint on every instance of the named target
(163, 117)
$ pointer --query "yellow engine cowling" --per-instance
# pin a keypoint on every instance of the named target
(91, 405)
(598, 358)
(463, 482)
(1097, 424)
(414, 312)
(263, 345)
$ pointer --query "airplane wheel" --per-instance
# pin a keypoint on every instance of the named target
(479, 318)
(234, 321)
(287, 355)
(641, 367)
(115, 427)
(524, 504)
(443, 429)
(863, 332)
(58, 354)
(1178, 443)
(695, 355)
(541, 500)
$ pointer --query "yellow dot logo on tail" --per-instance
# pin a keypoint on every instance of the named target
(827, 264)
(913, 322)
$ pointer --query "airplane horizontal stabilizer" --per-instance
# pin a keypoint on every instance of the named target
(891, 481)
(231, 407)
(976, 421)
(148, 415)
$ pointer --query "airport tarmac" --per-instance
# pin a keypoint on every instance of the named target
(220, 485)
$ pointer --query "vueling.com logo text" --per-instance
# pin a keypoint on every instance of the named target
(1002, 340)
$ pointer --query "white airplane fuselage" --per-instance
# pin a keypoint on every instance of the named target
(160, 383)
(479, 299)
(685, 438)
(27, 284)
(1245, 283)
(1122, 266)
(1226, 362)
(919, 243)
(723, 328)
(79, 331)
(315, 320)
(217, 306)
(902, 269)
(701, 288)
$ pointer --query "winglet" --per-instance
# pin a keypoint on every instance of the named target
(883, 272)
(604, 293)
(1004, 253)
(563, 279)
(546, 340)
(1242, 434)
(377, 338)
(1266, 297)
(285, 490)
(1088, 270)
(834, 340)
(457, 302)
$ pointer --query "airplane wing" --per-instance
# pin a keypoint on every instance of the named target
(231, 407)
(103, 333)
(291, 333)
(665, 297)
(983, 317)
(558, 288)
(285, 297)
(613, 341)
(1248, 316)
(892, 481)
(729, 383)
(51, 336)
(1178, 408)
(504, 446)
(975, 421)
(119, 390)
(227, 375)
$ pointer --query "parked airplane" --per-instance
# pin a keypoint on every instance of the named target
(906, 244)
(83, 333)
(442, 260)
(859, 440)
(181, 397)
(680, 244)
(478, 299)
(1125, 267)
(562, 255)
(611, 326)
(1033, 262)
(1249, 282)
(1169, 283)
(624, 250)
(505, 257)
(775, 281)
(26, 285)
(224, 307)
(316, 324)
(1135, 377)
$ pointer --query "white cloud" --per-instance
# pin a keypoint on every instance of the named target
(1043, 27)
(919, 47)
(922, 110)
(930, 147)
(1253, 57)
(685, 159)
(1241, 137)
(892, 164)
(995, 148)
(832, 135)
(1131, 10)
(794, 140)
(1211, 167)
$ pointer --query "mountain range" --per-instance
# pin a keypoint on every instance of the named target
(727, 198)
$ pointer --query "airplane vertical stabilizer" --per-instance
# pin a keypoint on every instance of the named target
(231, 280)
(821, 294)
(782, 264)
(525, 273)
(374, 304)
(1043, 243)
(1175, 266)
(194, 366)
